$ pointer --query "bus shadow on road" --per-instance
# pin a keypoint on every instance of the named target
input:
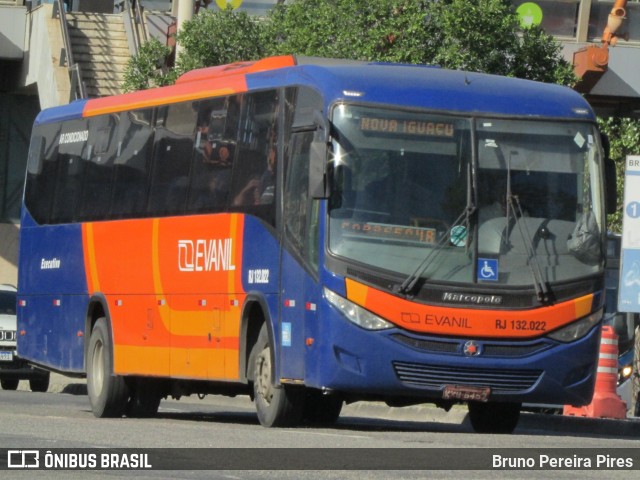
(75, 389)
(530, 424)
(344, 423)
(243, 418)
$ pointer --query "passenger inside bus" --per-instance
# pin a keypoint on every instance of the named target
(259, 188)
(211, 180)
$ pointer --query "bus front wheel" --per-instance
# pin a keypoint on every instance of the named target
(494, 417)
(321, 409)
(108, 393)
(276, 406)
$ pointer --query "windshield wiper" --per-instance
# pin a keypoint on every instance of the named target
(542, 289)
(408, 286)
(513, 205)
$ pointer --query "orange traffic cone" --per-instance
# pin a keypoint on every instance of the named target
(605, 403)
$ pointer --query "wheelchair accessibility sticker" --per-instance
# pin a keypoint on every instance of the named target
(488, 269)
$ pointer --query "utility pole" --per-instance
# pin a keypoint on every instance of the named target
(183, 11)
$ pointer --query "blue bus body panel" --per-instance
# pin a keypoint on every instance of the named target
(52, 264)
(71, 111)
(350, 359)
(431, 88)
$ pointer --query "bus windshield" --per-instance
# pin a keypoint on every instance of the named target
(511, 202)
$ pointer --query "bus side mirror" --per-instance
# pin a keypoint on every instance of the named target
(318, 187)
(611, 186)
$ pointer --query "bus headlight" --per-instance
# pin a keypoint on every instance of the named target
(578, 329)
(356, 314)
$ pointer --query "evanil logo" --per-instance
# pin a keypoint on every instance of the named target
(205, 255)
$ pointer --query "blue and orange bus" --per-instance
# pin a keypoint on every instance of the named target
(312, 232)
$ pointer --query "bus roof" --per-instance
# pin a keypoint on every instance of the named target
(417, 86)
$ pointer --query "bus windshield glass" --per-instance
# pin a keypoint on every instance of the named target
(453, 199)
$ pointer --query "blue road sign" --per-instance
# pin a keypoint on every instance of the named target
(629, 291)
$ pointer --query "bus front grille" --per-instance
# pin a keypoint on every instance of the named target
(436, 376)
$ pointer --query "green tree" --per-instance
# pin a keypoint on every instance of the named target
(146, 69)
(210, 38)
(624, 138)
(475, 35)
(218, 38)
(352, 29)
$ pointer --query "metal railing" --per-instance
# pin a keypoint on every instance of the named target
(78, 88)
(134, 23)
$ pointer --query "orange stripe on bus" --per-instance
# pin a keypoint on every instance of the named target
(189, 363)
(238, 68)
(466, 321)
(164, 96)
(93, 282)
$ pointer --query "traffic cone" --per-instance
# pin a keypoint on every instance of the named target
(605, 403)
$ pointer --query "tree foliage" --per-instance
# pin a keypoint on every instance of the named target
(624, 139)
(475, 35)
(218, 38)
(146, 69)
(384, 30)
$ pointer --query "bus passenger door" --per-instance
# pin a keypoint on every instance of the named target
(299, 286)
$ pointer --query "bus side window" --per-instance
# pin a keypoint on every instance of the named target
(297, 204)
(134, 143)
(99, 168)
(172, 152)
(70, 169)
(253, 173)
(41, 171)
(212, 160)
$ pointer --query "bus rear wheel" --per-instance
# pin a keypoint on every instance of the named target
(145, 398)
(276, 406)
(494, 417)
(108, 393)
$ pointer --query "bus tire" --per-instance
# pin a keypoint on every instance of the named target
(321, 409)
(39, 383)
(9, 383)
(276, 406)
(108, 393)
(494, 417)
(145, 398)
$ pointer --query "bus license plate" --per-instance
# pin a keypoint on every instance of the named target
(466, 394)
(6, 356)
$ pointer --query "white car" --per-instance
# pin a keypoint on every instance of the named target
(12, 368)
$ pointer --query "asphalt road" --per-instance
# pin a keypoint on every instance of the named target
(61, 419)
